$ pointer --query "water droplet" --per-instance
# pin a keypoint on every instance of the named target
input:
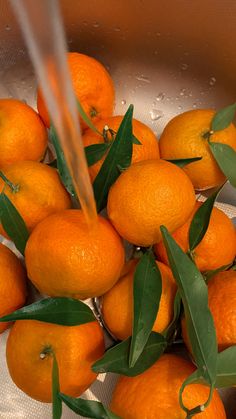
(182, 92)
(117, 29)
(123, 102)
(177, 98)
(156, 114)
(108, 67)
(85, 23)
(184, 66)
(143, 78)
(96, 25)
(202, 93)
(168, 98)
(212, 81)
(156, 52)
(180, 107)
(160, 96)
(194, 105)
(7, 27)
(158, 33)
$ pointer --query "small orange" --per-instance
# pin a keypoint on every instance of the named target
(74, 260)
(148, 150)
(22, 133)
(12, 284)
(222, 303)
(92, 85)
(117, 303)
(210, 254)
(154, 394)
(38, 191)
(145, 196)
(29, 356)
(183, 138)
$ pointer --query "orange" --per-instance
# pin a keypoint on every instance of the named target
(148, 150)
(222, 303)
(145, 196)
(29, 356)
(23, 135)
(92, 85)
(38, 191)
(74, 260)
(154, 394)
(183, 138)
(12, 284)
(217, 248)
(117, 304)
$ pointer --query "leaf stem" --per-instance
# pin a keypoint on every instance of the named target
(14, 188)
(197, 409)
(207, 135)
(191, 255)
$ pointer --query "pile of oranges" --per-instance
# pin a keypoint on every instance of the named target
(66, 258)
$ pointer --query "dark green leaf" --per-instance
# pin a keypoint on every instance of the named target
(116, 359)
(135, 140)
(199, 321)
(226, 368)
(226, 159)
(209, 274)
(147, 294)
(223, 118)
(13, 223)
(184, 162)
(95, 152)
(195, 377)
(59, 310)
(86, 119)
(61, 163)
(53, 163)
(56, 401)
(170, 330)
(88, 408)
(200, 221)
(119, 154)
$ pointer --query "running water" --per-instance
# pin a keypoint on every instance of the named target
(44, 35)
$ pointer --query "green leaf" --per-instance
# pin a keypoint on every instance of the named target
(170, 330)
(135, 140)
(88, 408)
(147, 290)
(184, 162)
(116, 359)
(61, 163)
(199, 321)
(119, 154)
(95, 152)
(226, 159)
(56, 401)
(86, 119)
(226, 368)
(223, 118)
(209, 274)
(60, 310)
(200, 221)
(195, 377)
(13, 223)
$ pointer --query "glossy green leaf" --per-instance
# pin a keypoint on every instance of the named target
(61, 163)
(147, 290)
(13, 223)
(56, 401)
(194, 378)
(88, 408)
(169, 332)
(223, 118)
(95, 152)
(226, 159)
(86, 119)
(199, 321)
(116, 359)
(59, 310)
(200, 221)
(184, 162)
(119, 154)
(226, 368)
(135, 140)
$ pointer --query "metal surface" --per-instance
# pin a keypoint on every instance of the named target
(165, 57)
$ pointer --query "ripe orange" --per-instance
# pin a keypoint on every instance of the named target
(117, 304)
(22, 133)
(39, 191)
(154, 394)
(222, 303)
(217, 248)
(29, 356)
(145, 196)
(183, 138)
(148, 150)
(12, 284)
(92, 85)
(74, 260)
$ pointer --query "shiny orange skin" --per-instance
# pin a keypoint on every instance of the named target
(76, 349)
(148, 150)
(13, 289)
(147, 195)
(74, 260)
(183, 138)
(217, 248)
(23, 135)
(92, 85)
(117, 304)
(154, 394)
(40, 191)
